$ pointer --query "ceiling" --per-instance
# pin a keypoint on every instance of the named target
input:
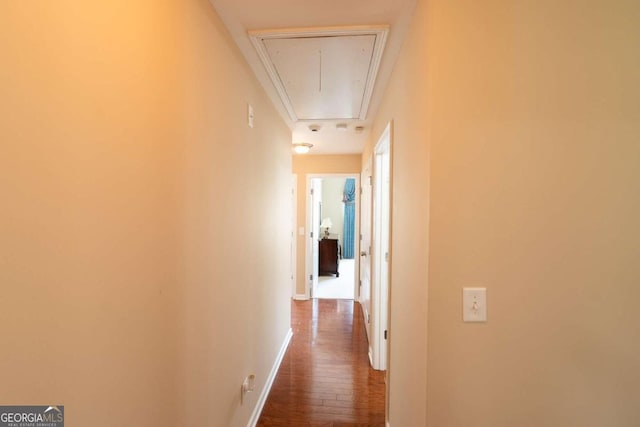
(322, 62)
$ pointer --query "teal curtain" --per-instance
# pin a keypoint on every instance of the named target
(349, 199)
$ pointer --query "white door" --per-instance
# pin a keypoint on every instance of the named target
(365, 249)
(382, 249)
(316, 212)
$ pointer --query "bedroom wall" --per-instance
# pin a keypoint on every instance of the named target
(315, 164)
(332, 206)
(137, 281)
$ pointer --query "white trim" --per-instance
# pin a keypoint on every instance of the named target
(309, 272)
(381, 241)
(255, 416)
(388, 424)
(318, 31)
(365, 212)
(300, 297)
(294, 234)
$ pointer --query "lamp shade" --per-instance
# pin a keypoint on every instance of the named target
(326, 223)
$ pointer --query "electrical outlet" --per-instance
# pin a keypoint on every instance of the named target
(247, 386)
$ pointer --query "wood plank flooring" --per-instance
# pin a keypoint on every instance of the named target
(325, 378)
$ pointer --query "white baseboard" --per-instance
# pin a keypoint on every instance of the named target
(255, 416)
(300, 297)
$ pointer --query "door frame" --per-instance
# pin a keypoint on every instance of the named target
(313, 233)
(308, 244)
(294, 233)
(381, 248)
(365, 240)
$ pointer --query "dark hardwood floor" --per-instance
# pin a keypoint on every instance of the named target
(325, 378)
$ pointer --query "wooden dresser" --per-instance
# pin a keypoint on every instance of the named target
(328, 257)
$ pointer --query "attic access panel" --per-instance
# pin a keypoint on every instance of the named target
(323, 74)
(323, 77)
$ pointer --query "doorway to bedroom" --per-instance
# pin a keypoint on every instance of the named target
(333, 242)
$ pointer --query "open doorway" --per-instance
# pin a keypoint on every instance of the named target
(332, 247)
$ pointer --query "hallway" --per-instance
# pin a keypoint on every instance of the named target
(325, 378)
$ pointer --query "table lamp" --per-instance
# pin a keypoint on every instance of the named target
(326, 224)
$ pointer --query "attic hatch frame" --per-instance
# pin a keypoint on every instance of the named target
(380, 32)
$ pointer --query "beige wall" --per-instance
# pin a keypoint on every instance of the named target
(307, 165)
(532, 129)
(405, 104)
(237, 180)
(88, 236)
(136, 280)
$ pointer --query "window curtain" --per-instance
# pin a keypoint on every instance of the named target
(349, 199)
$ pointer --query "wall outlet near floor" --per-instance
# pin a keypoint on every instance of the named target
(247, 386)
(474, 304)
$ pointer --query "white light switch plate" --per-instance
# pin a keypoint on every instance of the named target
(250, 116)
(474, 304)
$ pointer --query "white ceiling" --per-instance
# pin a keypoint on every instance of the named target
(345, 61)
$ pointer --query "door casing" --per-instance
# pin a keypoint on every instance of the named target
(381, 250)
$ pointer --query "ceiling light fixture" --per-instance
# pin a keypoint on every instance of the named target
(302, 147)
(342, 126)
